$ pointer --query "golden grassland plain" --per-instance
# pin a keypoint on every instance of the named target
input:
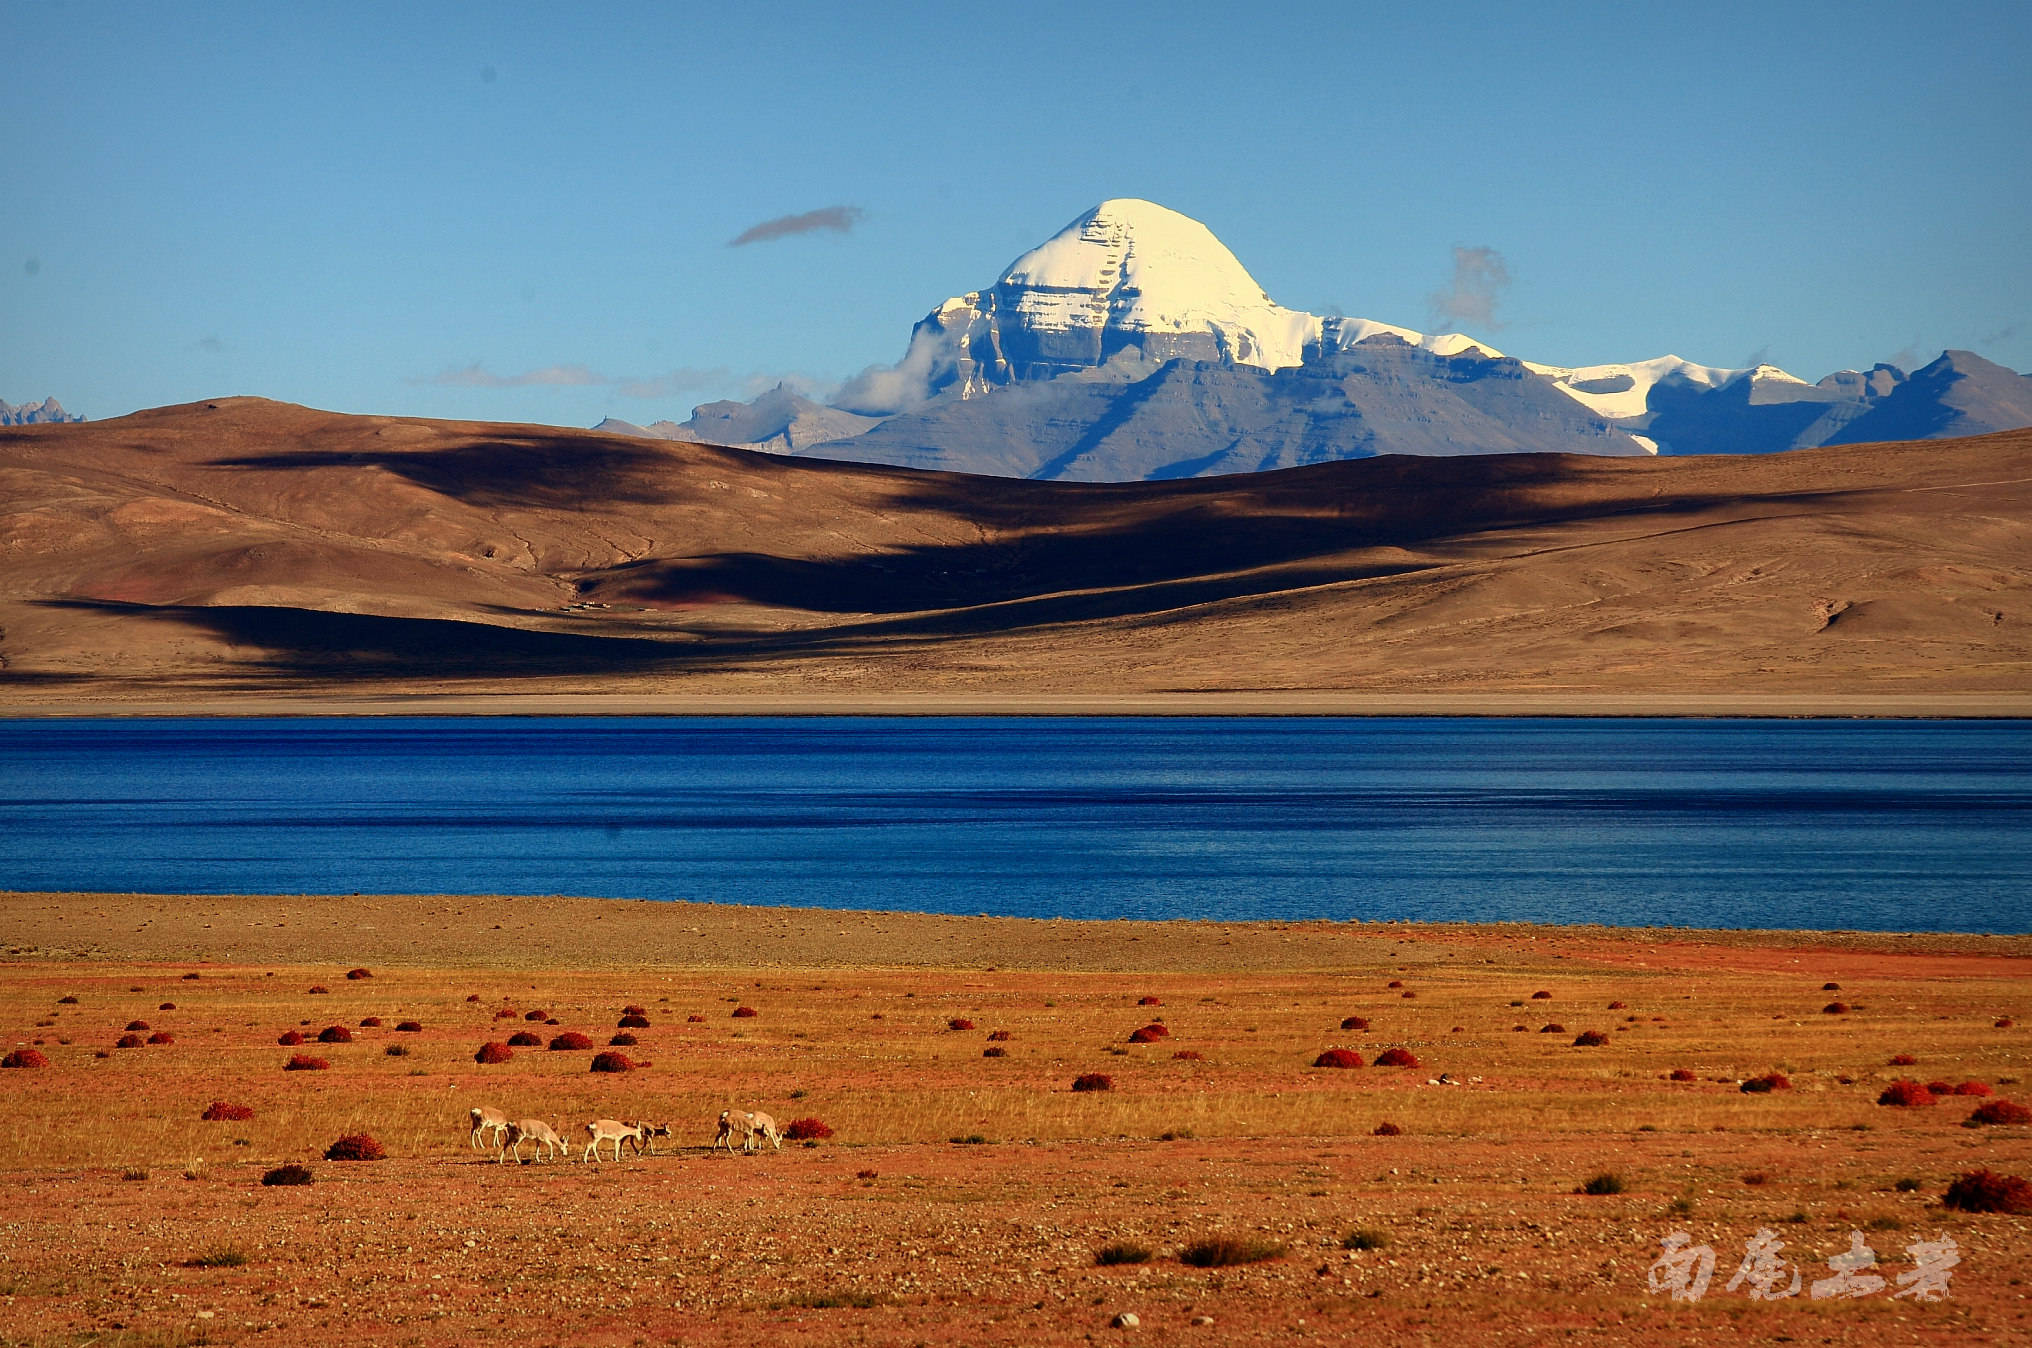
(963, 1198)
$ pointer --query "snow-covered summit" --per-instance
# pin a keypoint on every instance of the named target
(1127, 279)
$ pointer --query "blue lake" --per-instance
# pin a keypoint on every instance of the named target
(1886, 825)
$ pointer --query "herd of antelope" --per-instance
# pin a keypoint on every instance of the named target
(507, 1135)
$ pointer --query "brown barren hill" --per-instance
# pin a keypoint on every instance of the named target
(244, 547)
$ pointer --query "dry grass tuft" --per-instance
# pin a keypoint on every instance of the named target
(288, 1175)
(1365, 1238)
(994, 1051)
(1987, 1191)
(1123, 1252)
(1608, 1182)
(493, 1052)
(1905, 1094)
(1338, 1057)
(219, 1256)
(1387, 1129)
(1227, 1251)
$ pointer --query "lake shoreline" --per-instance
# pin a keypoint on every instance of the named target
(1351, 703)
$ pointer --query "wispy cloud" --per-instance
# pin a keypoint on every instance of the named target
(1480, 276)
(840, 219)
(213, 345)
(2003, 334)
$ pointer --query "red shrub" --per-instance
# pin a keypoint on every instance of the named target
(570, 1040)
(1987, 1191)
(1338, 1057)
(1972, 1088)
(1903, 1060)
(613, 1062)
(493, 1053)
(1830, 987)
(357, 974)
(24, 1057)
(1355, 1023)
(1764, 1085)
(642, 1022)
(1188, 1055)
(524, 1039)
(700, 1020)
(1409, 993)
(536, 1015)
(994, 1051)
(1387, 1130)
(221, 1111)
(1590, 1039)
(167, 1006)
(129, 1041)
(1619, 1006)
(288, 1174)
(2000, 1111)
(1940, 1087)
(2004, 1022)
(472, 996)
(1093, 1081)
(1835, 1009)
(355, 1147)
(622, 1040)
(744, 1012)
(289, 1038)
(1148, 1001)
(299, 1062)
(633, 1010)
(162, 1037)
(1905, 1093)
(507, 1013)
(411, 1027)
(801, 1130)
(1396, 983)
(137, 1025)
(1553, 1027)
(192, 977)
(1396, 1057)
(998, 1036)
(371, 1023)
(335, 1034)
(1541, 996)
(959, 1023)
(1149, 1034)
(67, 1000)
(319, 990)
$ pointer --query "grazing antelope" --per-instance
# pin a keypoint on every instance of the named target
(747, 1124)
(537, 1132)
(610, 1130)
(487, 1119)
(649, 1133)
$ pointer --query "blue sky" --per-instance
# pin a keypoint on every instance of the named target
(517, 212)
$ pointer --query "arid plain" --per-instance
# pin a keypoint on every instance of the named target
(963, 1198)
(208, 555)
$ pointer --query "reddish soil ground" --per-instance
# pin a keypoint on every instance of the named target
(964, 1199)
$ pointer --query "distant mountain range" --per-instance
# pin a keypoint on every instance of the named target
(1132, 345)
(47, 412)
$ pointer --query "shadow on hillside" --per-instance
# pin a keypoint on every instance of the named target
(560, 474)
